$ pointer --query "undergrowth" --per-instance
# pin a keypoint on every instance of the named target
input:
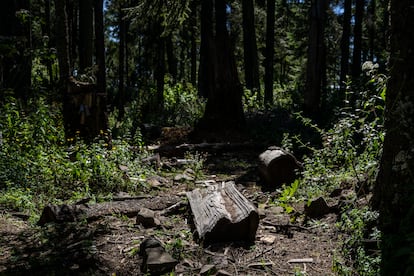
(37, 165)
(347, 159)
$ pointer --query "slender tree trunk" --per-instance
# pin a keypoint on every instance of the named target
(270, 52)
(48, 32)
(62, 45)
(346, 33)
(371, 29)
(121, 64)
(100, 47)
(251, 65)
(85, 34)
(102, 118)
(193, 51)
(316, 58)
(160, 70)
(357, 49)
(171, 58)
(394, 193)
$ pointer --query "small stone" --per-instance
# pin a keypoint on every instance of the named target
(147, 218)
(268, 239)
(317, 208)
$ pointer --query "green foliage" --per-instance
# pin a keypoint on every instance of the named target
(355, 224)
(352, 146)
(182, 106)
(349, 155)
(288, 196)
(37, 166)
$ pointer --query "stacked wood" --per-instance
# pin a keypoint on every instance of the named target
(221, 214)
(278, 166)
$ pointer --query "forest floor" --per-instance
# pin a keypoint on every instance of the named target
(285, 244)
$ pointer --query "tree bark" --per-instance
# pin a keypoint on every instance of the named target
(221, 214)
(394, 191)
(101, 119)
(346, 33)
(270, 52)
(316, 58)
(121, 64)
(193, 51)
(206, 69)
(357, 50)
(62, 45)
(224, 108)
(251, 65)
(85, 34)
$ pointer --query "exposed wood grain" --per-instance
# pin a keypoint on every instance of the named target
(222, 213)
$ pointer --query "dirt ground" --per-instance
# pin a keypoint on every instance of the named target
(284, 244)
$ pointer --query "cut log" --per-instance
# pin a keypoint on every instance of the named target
(221, 214)
(278, 166)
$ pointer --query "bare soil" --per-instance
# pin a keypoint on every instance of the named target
(286, 244)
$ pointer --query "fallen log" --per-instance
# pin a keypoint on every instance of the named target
(91, 212)
(221, 214)
(278, 166)
(174, 151)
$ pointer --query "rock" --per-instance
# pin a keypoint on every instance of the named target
(155, 259)
(147, 218)
(268, 239)
(317, 208)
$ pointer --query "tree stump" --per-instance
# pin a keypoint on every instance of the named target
(278, 166)
(221, 214)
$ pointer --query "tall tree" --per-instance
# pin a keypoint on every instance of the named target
(270, 52)
(315, 70)
(357, 45)
(121, 61)
(394, 193)
(206, 70)
(251, 64)
(346, 34)
(224, 108)
(101, 119)
(15, 40)
(85, 34)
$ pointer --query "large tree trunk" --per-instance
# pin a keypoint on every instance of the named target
(394, 194)
(206, 67)
(251, 65)
(224, 108)
(316, 58)
(85, 34)
(346, 32)
(270, 52)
